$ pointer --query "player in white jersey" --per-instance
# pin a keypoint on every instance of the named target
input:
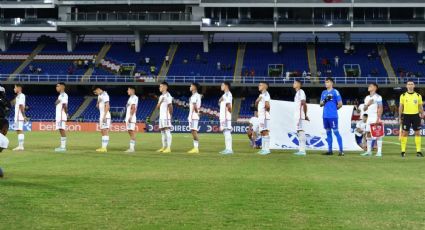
(194, 107)
(20, 117)
(263, 108)
(374, 108)
(253, 131)
(130, 117)
(301, 117)
(225, 103)
(61, 115)
(103, 105)
(4, 141)
(165, 106)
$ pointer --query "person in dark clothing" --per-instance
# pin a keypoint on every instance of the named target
(4, 104)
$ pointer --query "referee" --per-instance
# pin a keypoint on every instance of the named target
(411, 112)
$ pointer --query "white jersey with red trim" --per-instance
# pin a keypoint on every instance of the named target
(194, 101)
(19, 100)
(299, 107)
(165, 100)
(227, 98)
(60, 111)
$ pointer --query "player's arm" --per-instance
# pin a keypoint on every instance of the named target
(65, 107)
(267, 106)
(380, 111)
(400, 110)
(304, 104)
(22, 110)
(132, 112)
(57, 101)
(107, 108)
(195, 107)
(339, 100)
(229, 107)
(339, 105)
(257, 101)
(170, 109)
(159, 102)
(322, 101)
(421, 107)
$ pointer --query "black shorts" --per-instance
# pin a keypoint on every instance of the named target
(411, 121)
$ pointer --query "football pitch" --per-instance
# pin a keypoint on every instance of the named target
(82, 189)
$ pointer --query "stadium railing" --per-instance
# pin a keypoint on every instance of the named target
(34, 78)
(129, 16)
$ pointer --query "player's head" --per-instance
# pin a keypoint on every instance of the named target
(263, 86)
(194, 87)
(163, 87)
(18, 88)
(60, 87)
(97, 90)
(372, 88)
(364, 118)
(297, 84)
(131, 90)
(410, 85)
(329, 83)
(225, 86)
(4, 126)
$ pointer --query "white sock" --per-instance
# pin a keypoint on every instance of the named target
(369, 144)
(164, 139)
(132, 144)
(379, 143)
(21, 138)
(228, 139)
(195, 144)
(105, 141)
(169, 138)
(265, 143)
(63, 142)
(302, 140)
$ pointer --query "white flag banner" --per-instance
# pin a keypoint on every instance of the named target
(283, 133)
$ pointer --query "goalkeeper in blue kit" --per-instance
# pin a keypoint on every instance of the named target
(331, 101)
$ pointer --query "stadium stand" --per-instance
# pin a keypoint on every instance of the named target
(407, 63)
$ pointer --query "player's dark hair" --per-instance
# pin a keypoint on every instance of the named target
(330, 79)
(132, 87)
(19, 86)
(374, 84)
(227, 83)
(164, 83)
(264, 82)
(409, 80)
(299, 81)
(197, 85)
(365, 115)
(97, 87)
(62, 83)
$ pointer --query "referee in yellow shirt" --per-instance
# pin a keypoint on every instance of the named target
(410, 115)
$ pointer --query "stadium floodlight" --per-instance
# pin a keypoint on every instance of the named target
(206, 21)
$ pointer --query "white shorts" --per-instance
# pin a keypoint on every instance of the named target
(105, 125)
(225, 125)
(19, 125)
(264, 124)
(370, 121)
(193, 125)
(301, 125)
(130, 126)
(60, 125)
(164, 123)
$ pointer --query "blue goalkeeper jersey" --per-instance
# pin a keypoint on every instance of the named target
(330, 109)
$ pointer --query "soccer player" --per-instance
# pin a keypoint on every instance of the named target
(4, 142)
(263, 108)
(226, 108)
(360, 130)
(331, 101)
(61, 115)
(194, 107)
(130, 117)
(410, 114)
(20, 117)
(105, 116)
(373, 107)
(253, 131)
(300, 116)
(165, 106)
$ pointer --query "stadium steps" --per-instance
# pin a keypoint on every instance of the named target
(99, 57)
(237, 102)
(29, 59)
(239, 62)
(83, 107)
(386, 61)
(172, 50)
(312, 62)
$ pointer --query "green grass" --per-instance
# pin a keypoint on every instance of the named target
(86, 190)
